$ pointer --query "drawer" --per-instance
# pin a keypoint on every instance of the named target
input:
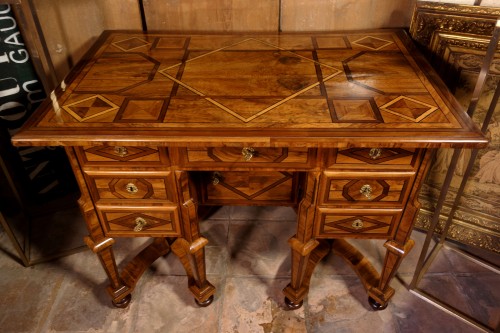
(273, 188)
(365, 187)
(374, 157)
(132, 185)
(247, 156)
(99, 155)
(356, 223)
(140, 221)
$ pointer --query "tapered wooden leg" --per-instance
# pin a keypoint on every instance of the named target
(192, 257)
(119, 292)
(190, 247)
(306, 251)
(379, 296)
(305, 257)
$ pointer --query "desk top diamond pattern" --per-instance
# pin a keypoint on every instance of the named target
(316, 88)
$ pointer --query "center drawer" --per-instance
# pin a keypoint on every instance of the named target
(252, 187)
(246, 156)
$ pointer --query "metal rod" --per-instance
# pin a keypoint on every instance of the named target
(435, 217)
(143, 16)
(470, 166)
(486, 264)
(485, 68)
(450, 310)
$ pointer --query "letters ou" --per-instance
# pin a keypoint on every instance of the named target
(11, 105)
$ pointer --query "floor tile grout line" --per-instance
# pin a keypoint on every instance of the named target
(224, 277)
(138, 291)
(59, 294)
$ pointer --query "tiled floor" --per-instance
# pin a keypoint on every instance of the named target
(248, 260)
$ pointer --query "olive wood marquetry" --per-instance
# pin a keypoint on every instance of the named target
(159, 127)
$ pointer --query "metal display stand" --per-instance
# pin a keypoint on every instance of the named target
(425, 259)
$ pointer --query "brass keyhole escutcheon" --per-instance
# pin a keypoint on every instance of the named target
(357, 224)
(366, 190)
(140, 223)
(131, 188)
(248, 153)
(121, 151)
(375, 153)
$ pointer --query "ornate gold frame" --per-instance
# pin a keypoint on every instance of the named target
(440, 29)
(431, 16)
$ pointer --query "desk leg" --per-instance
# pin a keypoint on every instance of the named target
(378, 297)
(190, 247)
(118, 291)
(306, 251)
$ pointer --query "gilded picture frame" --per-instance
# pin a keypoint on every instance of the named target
(458, 59)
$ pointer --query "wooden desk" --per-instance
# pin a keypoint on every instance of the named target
(340, 126)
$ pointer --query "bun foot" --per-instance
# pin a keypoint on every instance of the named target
(205, 303)
(291, 305)
(124, 302)
(376, 305)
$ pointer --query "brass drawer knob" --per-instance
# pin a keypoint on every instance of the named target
(121, 151)
(366, 190)
(248, 153)
(357, 224)
(375, 153)
(140, 223)
(216, 178)
(131, 188)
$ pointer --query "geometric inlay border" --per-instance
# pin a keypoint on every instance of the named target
(131, 43)
(405, 111)
(373, 43)
(104, 106)
(359, 110)
(121, 114)
(356, 184)
(335, 72)
(212, 153)
(286, 177)
(118, 185)
(386, 154)
(346, 224)
(111, 152)
(152, 221)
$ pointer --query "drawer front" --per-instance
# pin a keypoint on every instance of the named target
(363, 188)
(99, 155)
(139, 186)
(259, 156)
(359, 223)
(374, 157)
(140, 221)
(276, 188)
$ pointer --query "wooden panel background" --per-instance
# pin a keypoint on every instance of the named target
(318, 15)
(212, 15)
(71, 26)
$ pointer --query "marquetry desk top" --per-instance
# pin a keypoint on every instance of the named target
(309, 90)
